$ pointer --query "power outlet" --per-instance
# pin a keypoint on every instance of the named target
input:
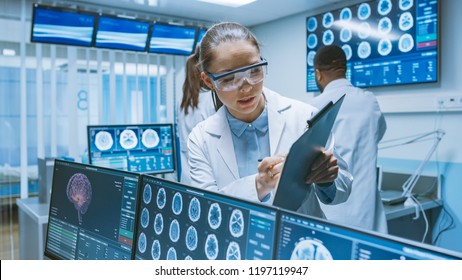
(449, 102)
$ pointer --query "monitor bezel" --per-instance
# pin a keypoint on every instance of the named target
(67, 10)
(148, 48)
(52, 256)
(102, 15)
(174, 148)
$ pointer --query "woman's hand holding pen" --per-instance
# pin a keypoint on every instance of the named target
(269, 172)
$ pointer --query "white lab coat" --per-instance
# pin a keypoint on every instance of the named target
(213, 161)
(186, 123)
(359, 127)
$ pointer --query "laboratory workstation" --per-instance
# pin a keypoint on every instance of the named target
(230, 130)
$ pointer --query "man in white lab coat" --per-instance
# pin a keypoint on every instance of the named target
(359, 127)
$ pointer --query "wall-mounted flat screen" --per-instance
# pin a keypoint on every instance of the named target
(143, 148)
(92, 213)
(386, 42)
(200, 35)
(121, 33)
(60, 26)
(307, 238)
(172, 39)
(180, 222)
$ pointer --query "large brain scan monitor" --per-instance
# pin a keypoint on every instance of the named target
(144, 148)
(92, 213)
(180, 222)
(308, 238)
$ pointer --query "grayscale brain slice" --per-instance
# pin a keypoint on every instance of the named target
(155, 250)
(211, 247)
(177, 204)
(233, 252)
(158, 223)
(171, 254)
(174, 231)
(79, 193)
(194, 210)
(145, 218)
(147, 194)
(191, 238)
(214, 216)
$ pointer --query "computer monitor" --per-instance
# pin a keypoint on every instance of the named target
(180, 222)
(308, 238)
(92, 213)
(143, 148)
(172, 39)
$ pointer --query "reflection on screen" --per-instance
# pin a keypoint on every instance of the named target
(304, 238)
(53, 25)
(123, 34)
(172, 39)
(180, 222)
(386, 42)
(137, 148)
(92, 213)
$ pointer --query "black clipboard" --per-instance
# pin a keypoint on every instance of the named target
(292, 188)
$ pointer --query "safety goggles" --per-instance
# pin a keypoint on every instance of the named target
(234, 79)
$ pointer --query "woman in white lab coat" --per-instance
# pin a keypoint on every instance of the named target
(222, 155)
(196, 105)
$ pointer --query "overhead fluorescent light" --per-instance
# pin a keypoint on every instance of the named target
(229, 3)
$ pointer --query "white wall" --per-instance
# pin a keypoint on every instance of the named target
(409, 109)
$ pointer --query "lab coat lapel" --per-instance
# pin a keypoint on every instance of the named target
(276, 124)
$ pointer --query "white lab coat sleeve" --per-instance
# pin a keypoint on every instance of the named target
(344, 178)
(202, 175)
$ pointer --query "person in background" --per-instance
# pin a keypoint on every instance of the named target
(359, 127)
(254, 123)
(196, 105)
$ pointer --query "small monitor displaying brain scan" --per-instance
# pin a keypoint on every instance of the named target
(190, 223)
(92, 213)
(147, 148)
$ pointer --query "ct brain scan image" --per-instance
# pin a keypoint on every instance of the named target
(144, 217)
(194, 210)
(155, 250)
(384, 47)
(79, 193)
(103, 141)
(147, 194)
(128, 139)
(158, 224)
(236, 223)
(142, 243)
(211, 247)
(191, 238)
(405, 43)
(364, 49)
(214, 216)
(384, 7)
(328, 20)
(310, 249)
(364, 11)
(150, 138)
(174, 232)
(385, 25)
(171, 254)
(233, 252)
(177, 203)
(312, 24)
(346, 14)
(161, 198)
(406, 21)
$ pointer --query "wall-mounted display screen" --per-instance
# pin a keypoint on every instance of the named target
(180, 222)
(144, 148)
(60, 26)
(92, 213)
(386, 42)
(201, 35)
(172, 39)
(120, 33)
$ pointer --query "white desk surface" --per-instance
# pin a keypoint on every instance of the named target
(399, 210)
(37, 211)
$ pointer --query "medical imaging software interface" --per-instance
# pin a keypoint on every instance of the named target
(136, 148)
(302, 238)
(179, 222)
(92, 213)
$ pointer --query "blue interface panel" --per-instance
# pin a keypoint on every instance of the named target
(123, 34)
(304, 238)
(59, 26)
(180, 222)
(92, 213)
(144, 148)
(172, 39)
(386, 42)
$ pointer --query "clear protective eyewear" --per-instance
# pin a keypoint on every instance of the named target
(234, 79)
